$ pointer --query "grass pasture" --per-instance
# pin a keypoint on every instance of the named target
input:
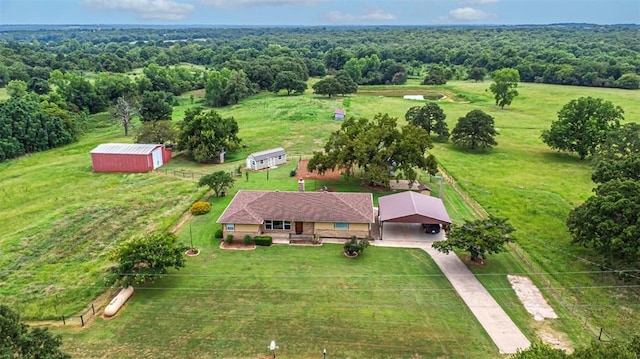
(388, 303)
(58, 220)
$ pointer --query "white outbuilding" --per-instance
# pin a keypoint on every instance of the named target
(265, 159)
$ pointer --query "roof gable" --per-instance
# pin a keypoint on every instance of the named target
(254, 207)
(409, 206)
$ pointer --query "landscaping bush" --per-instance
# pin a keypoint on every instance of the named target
(219, 234)
(229, 239)
(293, 173)
(354, 246)
(262, 240)
(246, 239)
(199, 208)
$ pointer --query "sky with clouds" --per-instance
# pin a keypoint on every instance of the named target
(318, 12)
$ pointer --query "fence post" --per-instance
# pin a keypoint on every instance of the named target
(82, 320)
(600, 335)
(63, 321)
(93, 309)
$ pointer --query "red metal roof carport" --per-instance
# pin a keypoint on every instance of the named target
(412, 207)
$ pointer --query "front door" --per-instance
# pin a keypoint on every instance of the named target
(298, 227)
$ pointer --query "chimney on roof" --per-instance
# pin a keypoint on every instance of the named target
(301, 185)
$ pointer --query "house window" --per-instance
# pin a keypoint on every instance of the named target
(253, 163)
(279, 157)
(231, 227)
(261, 161)
(341, 225)
(277, 225)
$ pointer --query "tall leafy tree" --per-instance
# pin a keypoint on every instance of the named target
(289, 81)
(430, 117)
(18, 340)
(146, 259)
(156, 132)
(621, 142)
(480, 237)
(215, 88)
(238, 87)
(347, 85)
(217, 181)
(609, 221)
(155, 106)
(204, 135)
(477, 73)
(583, 125)
(328, 86)
(435, 76)
(377, 147)
(475, 131)
(504, 86)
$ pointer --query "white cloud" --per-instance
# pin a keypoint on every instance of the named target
(467, 14)
(370, 15)
(238, 3)
(145, 9)
(478, 2)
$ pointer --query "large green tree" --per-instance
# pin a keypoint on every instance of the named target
(156, 132)
(155, 106)
(204, 135)
(480, 237)
(217, 181)
(504, 86)
(621, 142)
(328, 86)
(583, 125)
(378, 147)
(146, 259)
(475, 131)
(289, 81)
(431, 118)
(609, 221)
(17, 340)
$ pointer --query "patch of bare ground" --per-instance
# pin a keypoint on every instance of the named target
(302, 172)
(237, 246)
(554, 338)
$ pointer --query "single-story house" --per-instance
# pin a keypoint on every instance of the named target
(265, 159)
(275, 213)
(339, 114)
(412, 207)
(129, 157)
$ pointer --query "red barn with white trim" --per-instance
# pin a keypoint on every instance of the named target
(131, 158)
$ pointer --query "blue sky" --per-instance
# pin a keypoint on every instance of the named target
(318, 12)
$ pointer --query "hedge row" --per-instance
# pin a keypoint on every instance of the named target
(262, 240)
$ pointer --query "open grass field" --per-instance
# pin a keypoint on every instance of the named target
(60, 220)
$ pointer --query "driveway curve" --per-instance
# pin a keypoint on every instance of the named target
(502, 330)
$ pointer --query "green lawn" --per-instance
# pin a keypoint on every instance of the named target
(388, 303)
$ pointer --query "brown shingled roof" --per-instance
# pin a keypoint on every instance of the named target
(253, 207)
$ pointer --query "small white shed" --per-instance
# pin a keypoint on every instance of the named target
(268, 158)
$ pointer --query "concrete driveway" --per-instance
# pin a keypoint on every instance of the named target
(504, 333)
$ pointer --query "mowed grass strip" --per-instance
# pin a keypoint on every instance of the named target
(388, 303)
